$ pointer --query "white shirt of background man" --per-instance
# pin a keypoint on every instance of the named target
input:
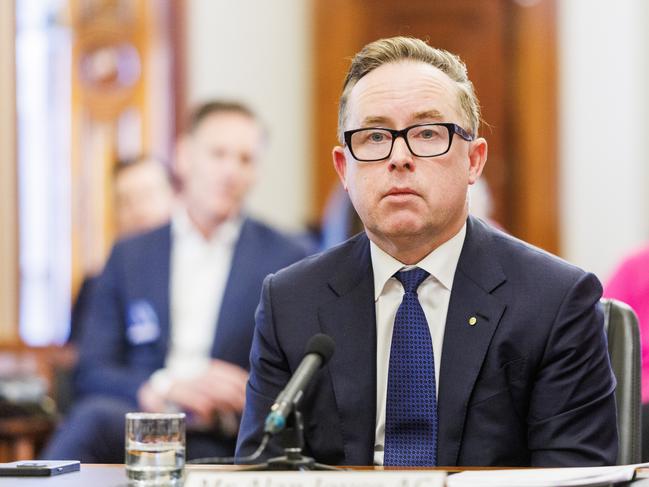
(199, 272)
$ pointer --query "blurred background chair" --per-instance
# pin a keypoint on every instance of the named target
(621, 326)
(27, 412)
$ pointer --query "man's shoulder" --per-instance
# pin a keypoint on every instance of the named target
(259, 229)
(143, 245)
(317, 269)
(146, 238)
(519, 258)
(274, 240)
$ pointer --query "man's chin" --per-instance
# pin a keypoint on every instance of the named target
(224, 212)
(400, 229)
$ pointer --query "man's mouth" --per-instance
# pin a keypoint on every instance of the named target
(401, 193)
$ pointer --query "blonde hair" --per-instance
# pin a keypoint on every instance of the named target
(394, 49)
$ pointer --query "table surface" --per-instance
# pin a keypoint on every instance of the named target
(89, 475)
(92, 475)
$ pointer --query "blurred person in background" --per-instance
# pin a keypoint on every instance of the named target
(143, 197)
(630, 284)
(172, 318)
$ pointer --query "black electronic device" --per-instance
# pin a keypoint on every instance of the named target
(38, 468)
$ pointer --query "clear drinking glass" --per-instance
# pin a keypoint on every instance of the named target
(155, 448)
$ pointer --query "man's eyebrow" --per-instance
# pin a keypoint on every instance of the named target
(373, 121)
(428, 114)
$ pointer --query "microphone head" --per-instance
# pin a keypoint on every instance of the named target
(321, 344)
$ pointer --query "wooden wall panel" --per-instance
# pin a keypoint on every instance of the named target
(8, 179)
(534, 132)
(338, 33)
(177, 25)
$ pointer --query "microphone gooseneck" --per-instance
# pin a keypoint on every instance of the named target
(317, 353)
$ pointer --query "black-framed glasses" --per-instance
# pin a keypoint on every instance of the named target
(423, 140)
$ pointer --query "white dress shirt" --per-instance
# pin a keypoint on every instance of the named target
(199, 271)
(434, 295)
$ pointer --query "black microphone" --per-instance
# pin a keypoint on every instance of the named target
(317, 353)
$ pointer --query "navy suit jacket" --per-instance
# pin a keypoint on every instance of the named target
(529, 384)
(125, 336)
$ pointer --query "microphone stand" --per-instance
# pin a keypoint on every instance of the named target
(292, 440)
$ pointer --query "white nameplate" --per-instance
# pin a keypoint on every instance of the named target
(214, 478)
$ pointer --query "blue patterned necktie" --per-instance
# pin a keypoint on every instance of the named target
(411, 406)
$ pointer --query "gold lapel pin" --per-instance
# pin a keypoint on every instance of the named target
(473, 320)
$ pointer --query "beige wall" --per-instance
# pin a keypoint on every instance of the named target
(604, 143)
(8, 186)
(258, 52)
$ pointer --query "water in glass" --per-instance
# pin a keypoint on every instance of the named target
(155, 448)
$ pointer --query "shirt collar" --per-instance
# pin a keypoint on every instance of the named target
(440, 263)
(183, 227)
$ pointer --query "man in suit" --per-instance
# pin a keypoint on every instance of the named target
(143, 196)
(455, 343)
(172, 316)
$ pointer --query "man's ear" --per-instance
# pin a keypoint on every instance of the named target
(477, 158)
(340, 164)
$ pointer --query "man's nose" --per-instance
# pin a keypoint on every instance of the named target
(401, 157)
(230, 164)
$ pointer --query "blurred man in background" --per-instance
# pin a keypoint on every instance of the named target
(143, 197)
(172, 319)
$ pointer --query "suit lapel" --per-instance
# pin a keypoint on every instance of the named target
(465, 345)
(350, 320)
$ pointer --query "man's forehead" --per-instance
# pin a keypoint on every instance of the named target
(415, 87)
(227, 120)
(404, 75)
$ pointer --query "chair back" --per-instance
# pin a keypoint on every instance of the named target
(621, 325)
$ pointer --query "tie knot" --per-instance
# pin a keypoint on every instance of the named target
(411, 279)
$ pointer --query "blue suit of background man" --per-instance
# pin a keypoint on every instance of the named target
(528, 383)
(126, 337)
